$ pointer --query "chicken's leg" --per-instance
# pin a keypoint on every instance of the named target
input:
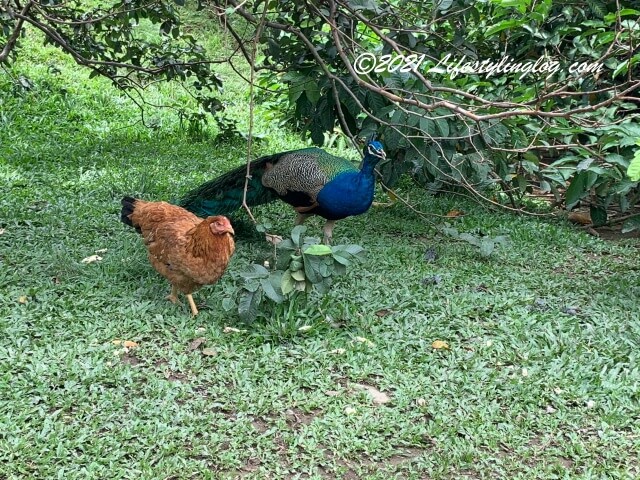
(192, 304)
(173, 296)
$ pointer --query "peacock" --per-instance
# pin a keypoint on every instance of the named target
(311, 180)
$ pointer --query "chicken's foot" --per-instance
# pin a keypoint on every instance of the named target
(173, 296)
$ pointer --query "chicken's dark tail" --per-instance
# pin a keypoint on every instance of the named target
(128, 206)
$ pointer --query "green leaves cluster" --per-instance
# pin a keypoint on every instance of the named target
(485, 244)
(302, 264)
(131, 42)
(581, 153)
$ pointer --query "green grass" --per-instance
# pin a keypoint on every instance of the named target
(525, 391)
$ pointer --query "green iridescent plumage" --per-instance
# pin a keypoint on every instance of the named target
(313, 181)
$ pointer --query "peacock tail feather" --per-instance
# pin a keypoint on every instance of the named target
(223, 195)
(311, 180)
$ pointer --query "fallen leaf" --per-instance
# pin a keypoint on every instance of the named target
(582, 218)
(570, 310)
(232, 330)
(129, 344)
(116, 341)
(22, 299)
(440, 345)
(102, 250)
(378, 397)
(430, 255)
(209, 352)
(383, 313)
(91, 259)
(432, 280)
(364, 340)
(272, 239)
(195, 344)
(392, 195)
(338, 351)
(305, 328)
(332, 393)
(454, 213)
(349, 410)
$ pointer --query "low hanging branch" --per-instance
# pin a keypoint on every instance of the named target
(460, 127)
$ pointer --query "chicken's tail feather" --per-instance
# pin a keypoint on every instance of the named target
(128, 206)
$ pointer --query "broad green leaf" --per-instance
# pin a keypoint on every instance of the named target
(630, 225)
(487, 245)
(472, 239)
(255, 271)
(584, 164)
(228, 304)
(318, 250)
(598, 215)
(298, 275)
(353, 249)
(296, 233)
(505, 24)
(634, 167)
(312, 269)
(270, 291)
(251, 284)
(340, 259)
(576, 190)
(287, 283)
(248, 305)
(312, 91)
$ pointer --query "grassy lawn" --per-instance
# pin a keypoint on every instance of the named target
(541, 379)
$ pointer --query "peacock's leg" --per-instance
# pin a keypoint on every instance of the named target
(328, 231)
(300, 218)
(192, 304)
(306, 209)
(173, 296)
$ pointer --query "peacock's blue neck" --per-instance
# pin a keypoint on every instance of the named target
(368, 164)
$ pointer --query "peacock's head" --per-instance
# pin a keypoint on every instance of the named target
(375, 149)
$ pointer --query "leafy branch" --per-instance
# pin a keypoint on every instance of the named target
(302, 265)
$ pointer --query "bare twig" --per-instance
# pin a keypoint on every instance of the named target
(17, 30)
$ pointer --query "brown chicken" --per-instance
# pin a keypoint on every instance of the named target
(188, 251)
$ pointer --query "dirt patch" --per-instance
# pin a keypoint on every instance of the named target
(260, 425)
(615, 234)
(407, 455)
(174, 376)
(296, 417)
(130, 359)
